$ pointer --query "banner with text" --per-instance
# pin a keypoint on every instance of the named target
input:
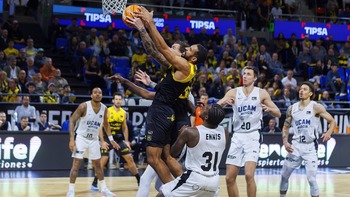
(313, 29)
(93, 17)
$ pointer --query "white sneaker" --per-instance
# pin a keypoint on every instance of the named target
(107, 193)
(70, 194)
(342, 94)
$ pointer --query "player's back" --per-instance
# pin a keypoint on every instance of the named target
(205, 157)
(91, 122)
(170, 89)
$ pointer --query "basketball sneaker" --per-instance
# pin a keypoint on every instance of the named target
(94, 188)
(107, 193)
(70, 194)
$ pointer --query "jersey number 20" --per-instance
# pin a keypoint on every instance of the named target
(209, 161)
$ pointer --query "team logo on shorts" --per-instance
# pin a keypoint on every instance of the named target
(149, 136)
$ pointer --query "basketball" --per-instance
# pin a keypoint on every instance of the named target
(128, 12)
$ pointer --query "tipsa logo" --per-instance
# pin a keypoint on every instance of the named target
(98, 17)
(18, 155)
(196, 24)
(316, 31)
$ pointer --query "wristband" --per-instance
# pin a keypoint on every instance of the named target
(152, 84)
(110, 138)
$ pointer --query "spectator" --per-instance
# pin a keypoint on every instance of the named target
(12, 93)
(51, 95)
(30, 49)
(100, 48)
(241, 36)
(263, 66)
(22, 59)
(94, 74)
(275, 65)
(40, 85)
(72, 29)
(211, 59)
(196, 120)
(117, 47)
(31, 70)
(343, 59)
(16, 33)
(150, 68)
(276, 11)
(3, 60)
(23, 125)
(306, 43)
(140, 56)
(33, 96)
(55, 31)
(48, 70)
(12, 69)
(68, 96)
(92, 38)
(39, 58)
(177, 35)
(79, 57)
(229, 36)
(4, 84)
(26, 110)
(4, 124)
(4, 40)
(334, 81)
(44, 125)
(286, 99)
(289, 79)
(267, 56)
(10, 51)
(168, 37)
(135, 40)
(107, 71)
(59, 81)
(304, 62)
(272, 127)
(263, 14)
(327, 102)
(22, 81)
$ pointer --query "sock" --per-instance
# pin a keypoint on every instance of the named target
(94, 183)
(103, 185)
(283, 195)
(137, 176)
(71, 186)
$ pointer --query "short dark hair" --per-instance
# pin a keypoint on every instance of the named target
(256, 71)
(183, 45)
(311, 87)
(201, 54)
(43, 112)
(215, 114)
(117, 94)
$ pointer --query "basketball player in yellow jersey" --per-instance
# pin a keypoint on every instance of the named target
(119, 128)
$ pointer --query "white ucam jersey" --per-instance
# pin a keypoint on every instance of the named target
(205, 157)
(91, 122)
(247, 111)
(304, 123)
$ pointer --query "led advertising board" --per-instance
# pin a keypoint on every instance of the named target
(93, 17)
(314, 30)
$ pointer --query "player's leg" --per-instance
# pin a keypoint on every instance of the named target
(154, 159)
(231, 183)
(291, 162)
(95, 156)
(132, 166)
(234, 161)
(145, 182)
(311, 165)
(81, 145)
(249, 171)
(174, 166)
(103, 162)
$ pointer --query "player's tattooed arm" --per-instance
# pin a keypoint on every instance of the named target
(151, 49)
(287, 124)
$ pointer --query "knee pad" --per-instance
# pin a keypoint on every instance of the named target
(311, 177)
(285, 174)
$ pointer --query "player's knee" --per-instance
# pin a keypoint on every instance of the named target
(249, 177)
(230, 179)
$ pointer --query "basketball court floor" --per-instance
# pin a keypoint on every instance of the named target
(332, 183)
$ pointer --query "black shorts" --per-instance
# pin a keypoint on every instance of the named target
(179, 123)
(124, 150)
(159, 125)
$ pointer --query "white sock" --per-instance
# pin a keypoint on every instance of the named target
(283, 195)
(71, 186)
(103, 184)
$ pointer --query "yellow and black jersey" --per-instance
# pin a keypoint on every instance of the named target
(171, 89)
(116, 119)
